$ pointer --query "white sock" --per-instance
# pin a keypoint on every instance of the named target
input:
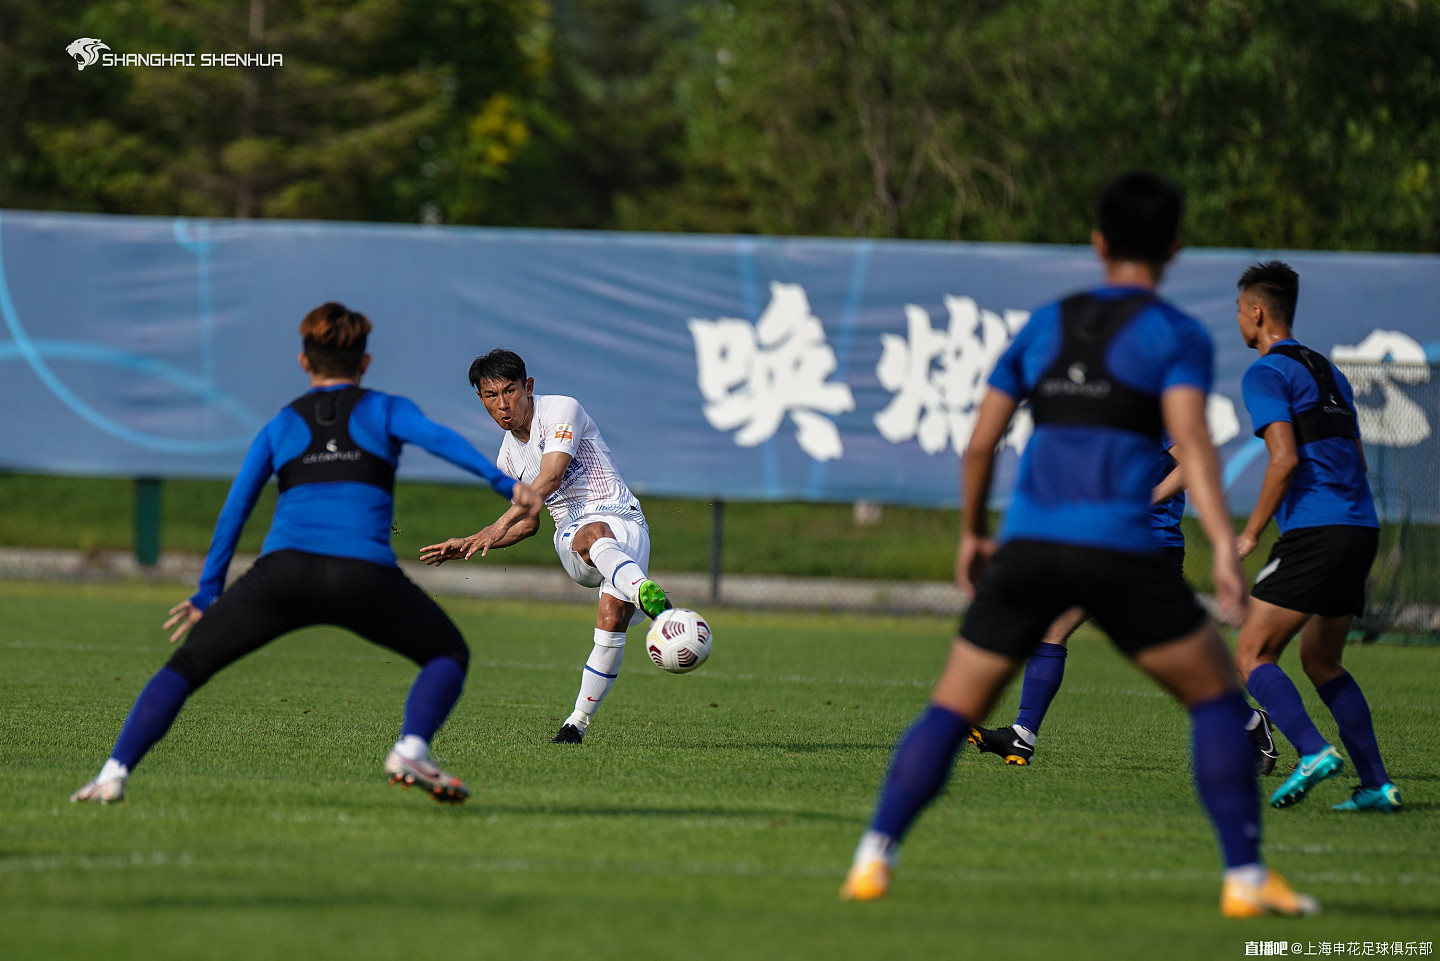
(599, 675)
(622, 571)
(1252, 874)
(112, 771)
(412, 747)
(1254, 721)
(874, 845)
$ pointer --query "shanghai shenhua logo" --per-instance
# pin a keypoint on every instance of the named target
(86, 51)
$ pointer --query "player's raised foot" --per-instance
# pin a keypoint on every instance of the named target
(1312, 769)
(1004, 741)
(1241, 900)
(868, 880)
(1386, 797)
(568, 734)
(101, 792)
(651, 599)
(1262, 740)
(425, 773)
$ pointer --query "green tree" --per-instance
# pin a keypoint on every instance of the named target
(1300, 123)
(383, 109)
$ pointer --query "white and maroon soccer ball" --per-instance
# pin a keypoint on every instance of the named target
(678, 641)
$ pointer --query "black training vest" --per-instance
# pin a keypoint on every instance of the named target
(1331, 416)
(333, 456)
(1079, 387)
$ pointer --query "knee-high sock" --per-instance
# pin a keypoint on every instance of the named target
(601, 669)
(151, 716)
(1043, 673)
(1357, 732)
(1277, 694)
(1224, 768)
(922, 762)
(622, 571)
(431, 698)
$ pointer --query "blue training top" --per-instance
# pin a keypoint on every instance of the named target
(1329, 485)
(1090, 484)
(339, 519)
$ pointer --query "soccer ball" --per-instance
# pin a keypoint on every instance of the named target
(678, 641)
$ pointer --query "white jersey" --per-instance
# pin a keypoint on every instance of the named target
(590, 484)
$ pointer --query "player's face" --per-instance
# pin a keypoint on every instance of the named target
(510, 402)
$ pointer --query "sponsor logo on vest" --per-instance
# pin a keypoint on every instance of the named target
(1075, 385)
(332, 454)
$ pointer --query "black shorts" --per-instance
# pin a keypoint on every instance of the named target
(1139, 600)
(288, 590)
(1319, 570)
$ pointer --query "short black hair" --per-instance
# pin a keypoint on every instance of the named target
(334, 338)
(1139, 216)
(1277, 284)
(498, 364)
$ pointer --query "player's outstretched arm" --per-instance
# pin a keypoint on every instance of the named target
(976, 545)
(1183, 408)
(1279, 471)
(513, 526)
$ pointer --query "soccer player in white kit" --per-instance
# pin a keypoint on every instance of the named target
(600, 533)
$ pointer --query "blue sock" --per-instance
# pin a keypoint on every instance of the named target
(434, 693)
(1225, 775)
(922, 762)
(1277, 694)
(1043, 673)
(151, 716)
(1357, 732)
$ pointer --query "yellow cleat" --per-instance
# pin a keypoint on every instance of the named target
(867, 881)
(1241, 900)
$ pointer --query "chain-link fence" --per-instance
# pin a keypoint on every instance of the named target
(1399, 410)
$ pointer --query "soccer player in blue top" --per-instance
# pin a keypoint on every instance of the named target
(1314, 580)
(1105, 372)
(1045, 668)
(326, 560)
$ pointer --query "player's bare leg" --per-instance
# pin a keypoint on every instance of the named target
(597, 546)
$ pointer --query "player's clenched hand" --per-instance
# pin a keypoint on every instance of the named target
(524, 497)
(1244, 543)
(185, 614)
(970, 560)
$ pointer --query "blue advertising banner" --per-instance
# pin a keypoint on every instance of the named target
(734, 367)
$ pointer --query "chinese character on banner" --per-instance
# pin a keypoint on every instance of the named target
(937, 375)
(752, 375)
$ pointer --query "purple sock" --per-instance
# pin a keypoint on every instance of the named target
(1357, 732)
(1277, 694)
(434, 693)
(922, 762)
(151, 716)
(1043, 673)
(1225, 775)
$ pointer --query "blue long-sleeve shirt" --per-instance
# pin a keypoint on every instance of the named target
(344, 519)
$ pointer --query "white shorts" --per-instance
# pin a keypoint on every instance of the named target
(632, 536)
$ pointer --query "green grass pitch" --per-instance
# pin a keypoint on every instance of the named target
(710, 815)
